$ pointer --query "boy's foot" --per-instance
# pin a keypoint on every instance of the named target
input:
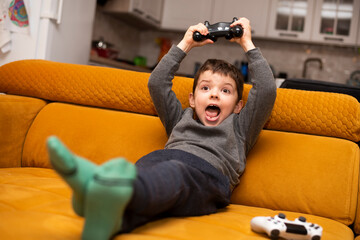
(76, 171)
(109, 192)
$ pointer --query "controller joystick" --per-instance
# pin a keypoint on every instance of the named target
(221, 29)
(280, 227)
(197, 36)
(237, 31)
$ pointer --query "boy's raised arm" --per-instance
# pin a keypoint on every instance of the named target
(160, 84)
(262, 95)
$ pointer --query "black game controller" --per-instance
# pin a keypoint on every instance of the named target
(221, 29)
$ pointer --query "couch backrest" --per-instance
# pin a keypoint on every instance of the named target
(320, 113)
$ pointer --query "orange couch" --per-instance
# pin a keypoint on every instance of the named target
(305, 163)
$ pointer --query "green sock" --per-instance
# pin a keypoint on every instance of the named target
(76, 171)
(109, 192)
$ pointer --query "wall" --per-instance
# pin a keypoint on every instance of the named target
(288, 57)
(125, 38)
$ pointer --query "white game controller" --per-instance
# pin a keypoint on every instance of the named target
(279, 226)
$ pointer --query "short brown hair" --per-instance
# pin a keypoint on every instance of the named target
(224, 68)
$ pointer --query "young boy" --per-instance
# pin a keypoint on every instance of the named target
(202, 160)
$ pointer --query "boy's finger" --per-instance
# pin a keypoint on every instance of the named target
(241, 21)
(200, 27)
(237, 22)
(208, 41)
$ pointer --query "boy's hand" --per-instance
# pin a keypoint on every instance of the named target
(187, 43)
(245, 41)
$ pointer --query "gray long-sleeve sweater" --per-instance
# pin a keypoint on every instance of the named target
(224, 146)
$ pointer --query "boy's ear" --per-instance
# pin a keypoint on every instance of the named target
(191, 100)
(238, 106)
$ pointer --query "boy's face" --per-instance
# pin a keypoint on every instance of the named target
(215, 98)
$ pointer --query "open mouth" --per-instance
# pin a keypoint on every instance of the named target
(212, 112)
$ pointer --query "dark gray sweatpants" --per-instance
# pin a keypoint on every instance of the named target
(174, 183)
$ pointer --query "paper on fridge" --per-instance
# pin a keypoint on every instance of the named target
(14, 18)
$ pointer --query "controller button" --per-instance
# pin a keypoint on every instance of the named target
(228, 36)
(281, 215)
(274, 234)
(302, 219)
(212, 38)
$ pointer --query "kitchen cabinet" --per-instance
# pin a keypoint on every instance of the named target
(291, 19)
(151, 9)
(179, 15)
(257, 11)
(131, 11)
(336, 21)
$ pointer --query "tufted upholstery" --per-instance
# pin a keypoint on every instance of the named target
(86, 85)
(325, 114)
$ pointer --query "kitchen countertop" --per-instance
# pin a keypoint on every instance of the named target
(279, 81)
(105, 62)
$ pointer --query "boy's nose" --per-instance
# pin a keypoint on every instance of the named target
(214, 94)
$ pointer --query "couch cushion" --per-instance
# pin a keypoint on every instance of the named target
(16, 116)
(38, 207)
(302, 173)
(35, 204)
(230, 223)
(96, 134)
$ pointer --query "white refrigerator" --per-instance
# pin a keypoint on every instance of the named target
(58, 30)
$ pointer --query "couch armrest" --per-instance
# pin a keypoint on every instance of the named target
(16, 116)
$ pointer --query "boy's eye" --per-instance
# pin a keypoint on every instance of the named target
(205, 88)
(226, 90)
